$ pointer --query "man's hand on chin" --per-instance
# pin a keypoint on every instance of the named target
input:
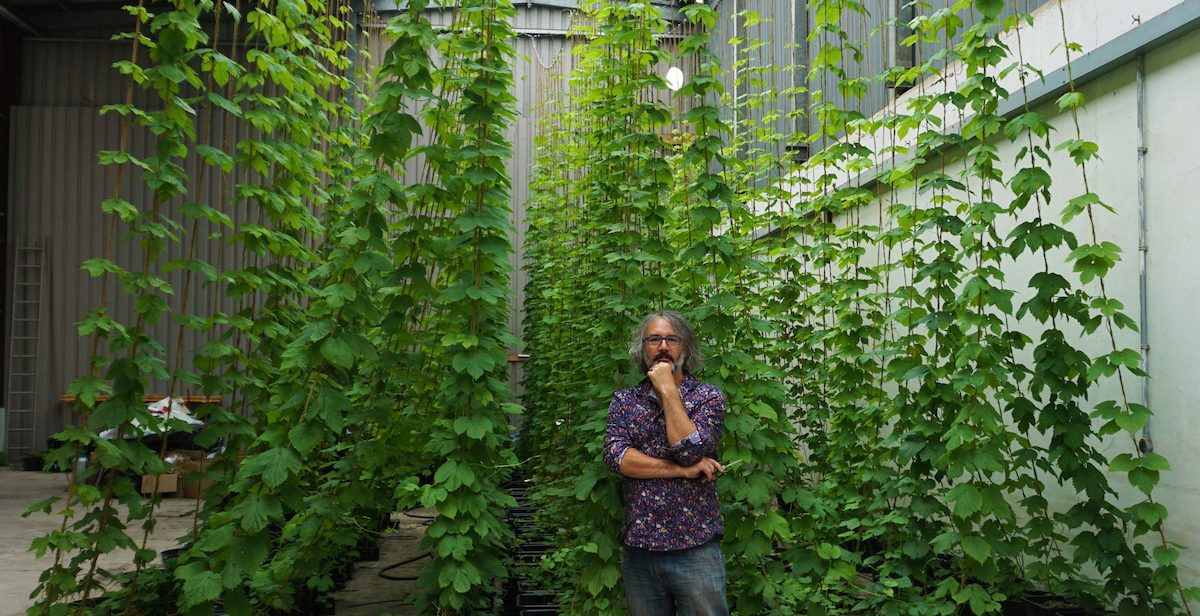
(662, 375)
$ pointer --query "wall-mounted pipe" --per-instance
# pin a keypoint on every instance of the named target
(1146, 444)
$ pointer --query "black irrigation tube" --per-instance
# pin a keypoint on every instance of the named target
(401, 578)
(406, 578)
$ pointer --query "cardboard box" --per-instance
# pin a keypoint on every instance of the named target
(166, 482)
(189, 454)
(172, 482)
(195, 461)
(192, 487)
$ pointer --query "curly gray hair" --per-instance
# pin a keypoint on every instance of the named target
(691, 353)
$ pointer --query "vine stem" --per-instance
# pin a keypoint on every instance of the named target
(109, 250)
(214, 298)
(189, 278)
(1108, 321)
(1021, 74)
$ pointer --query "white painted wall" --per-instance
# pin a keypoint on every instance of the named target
(1173, 259)
(1172, 98)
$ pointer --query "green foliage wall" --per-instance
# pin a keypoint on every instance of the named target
(355, 285)
(903, 403)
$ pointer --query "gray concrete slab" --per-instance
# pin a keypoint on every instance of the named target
(19, 568)
(366, 594)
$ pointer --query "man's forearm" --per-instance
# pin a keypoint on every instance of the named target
(638, 465)
(679, 425)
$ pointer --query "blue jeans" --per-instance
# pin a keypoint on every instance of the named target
(685, 582)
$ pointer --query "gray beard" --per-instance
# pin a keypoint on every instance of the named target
(676, 366)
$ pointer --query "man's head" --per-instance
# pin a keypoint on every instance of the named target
(665, 336)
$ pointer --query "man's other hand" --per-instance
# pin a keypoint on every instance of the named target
(705, 470)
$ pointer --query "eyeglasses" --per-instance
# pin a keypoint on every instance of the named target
(672, 341)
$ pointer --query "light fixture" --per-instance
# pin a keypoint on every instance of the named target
(674, 78)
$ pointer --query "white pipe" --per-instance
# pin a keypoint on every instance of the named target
(1147, 442)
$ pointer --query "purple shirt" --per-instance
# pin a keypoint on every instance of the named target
(667, 514)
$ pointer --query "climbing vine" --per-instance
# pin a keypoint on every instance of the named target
(347, 284)
(870, 300)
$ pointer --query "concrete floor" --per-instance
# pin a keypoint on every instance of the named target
(366, 594)
(19, 569)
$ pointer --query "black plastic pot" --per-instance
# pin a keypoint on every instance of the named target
(170, 556)
(1051, 605)
(341, 575)
(368, 549)
(33, 462)
(537, 599)
(311, 603)
(87, 605)
(1041, 604)
(1015, 607)
(528, 558)
(515, 485)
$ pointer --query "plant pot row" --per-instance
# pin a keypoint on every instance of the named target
(1044, 604)
(523, 595)
(313, 602)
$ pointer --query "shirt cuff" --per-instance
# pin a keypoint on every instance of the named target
(620, 458)
(693, 438)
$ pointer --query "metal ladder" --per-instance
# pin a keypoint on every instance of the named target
(24, 342)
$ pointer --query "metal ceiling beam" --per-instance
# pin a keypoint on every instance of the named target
(8, 14)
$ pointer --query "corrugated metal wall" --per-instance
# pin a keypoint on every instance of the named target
(66, 73)
(542, 51)
(57, 187)
(761, 47)
(970, 18)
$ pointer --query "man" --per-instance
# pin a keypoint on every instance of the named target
(662, 438)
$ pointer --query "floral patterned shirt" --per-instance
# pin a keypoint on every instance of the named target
(667, 514)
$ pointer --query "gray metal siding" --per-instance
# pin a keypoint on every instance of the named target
(970, 18)
(535, 55)
(776, 41)
(59, 73)
(56, 191)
